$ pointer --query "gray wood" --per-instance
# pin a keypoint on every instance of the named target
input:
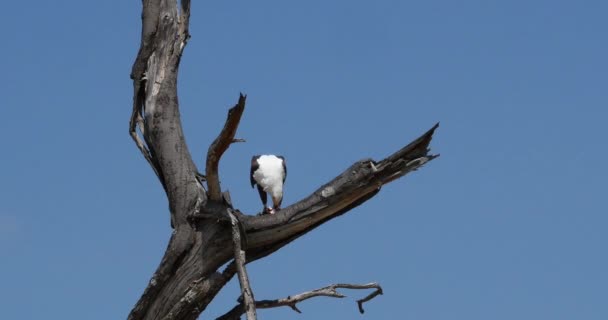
(189, 274)
(292, 300)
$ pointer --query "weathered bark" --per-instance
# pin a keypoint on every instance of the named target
(189, 275)
(292, 300)
(240, 259)
(219, 146)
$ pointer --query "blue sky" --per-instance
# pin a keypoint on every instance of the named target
(509, 223)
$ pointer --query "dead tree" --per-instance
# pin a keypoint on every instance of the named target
(203, 219)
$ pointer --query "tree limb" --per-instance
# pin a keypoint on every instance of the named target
(292, 301)
(369, 297)
(219, 146)
(239, 259)
(268, 233)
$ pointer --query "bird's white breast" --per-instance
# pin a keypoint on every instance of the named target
(270, 174)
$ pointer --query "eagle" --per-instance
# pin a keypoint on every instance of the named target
(268, 172)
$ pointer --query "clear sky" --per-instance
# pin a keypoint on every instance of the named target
(509, 223)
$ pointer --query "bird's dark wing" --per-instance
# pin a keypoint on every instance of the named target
(254, 167)
(284, 167)
(263, 195)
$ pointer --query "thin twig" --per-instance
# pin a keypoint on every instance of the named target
(239, 258)
(219, 146)
(291, 301)
(372, 295)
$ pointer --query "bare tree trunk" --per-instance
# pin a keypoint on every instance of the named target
(189, 275)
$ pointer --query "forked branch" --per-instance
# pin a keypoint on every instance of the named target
(220, 145)
(292, 301)
(216, 150)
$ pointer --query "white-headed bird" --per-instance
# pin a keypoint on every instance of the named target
(268, 172)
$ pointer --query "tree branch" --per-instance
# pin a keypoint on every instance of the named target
(357, 184)
(219, 146)
(239, 259)
(292, 301)
(369, 297)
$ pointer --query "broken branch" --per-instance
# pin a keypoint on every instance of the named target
(219, 146)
